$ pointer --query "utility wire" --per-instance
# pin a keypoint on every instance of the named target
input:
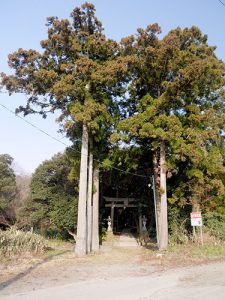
(31, 124)
(59, 140)
(221, 2)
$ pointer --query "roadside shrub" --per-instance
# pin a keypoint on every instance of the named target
(179, 226)
(14, 241)
(214, 224)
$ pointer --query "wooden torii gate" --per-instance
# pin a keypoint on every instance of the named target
(119, 202)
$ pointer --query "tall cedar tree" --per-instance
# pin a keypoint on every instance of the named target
(175, 102)
(75, 74)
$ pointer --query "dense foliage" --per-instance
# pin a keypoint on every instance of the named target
(52, 205)
(177, 96)
(7, 180)
(149, 104)
(7, 187)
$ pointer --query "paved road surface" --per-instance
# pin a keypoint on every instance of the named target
(196, 283)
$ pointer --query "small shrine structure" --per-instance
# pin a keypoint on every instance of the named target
(124, 212)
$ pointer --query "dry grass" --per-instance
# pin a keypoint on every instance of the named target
(14, 241)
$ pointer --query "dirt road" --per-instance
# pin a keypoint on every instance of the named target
(121, 270)
(202, 282)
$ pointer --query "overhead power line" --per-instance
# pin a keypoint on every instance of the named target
(61, 142)
(31, 124)
(221, 2)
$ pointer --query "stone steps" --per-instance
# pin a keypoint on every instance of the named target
(127, 239)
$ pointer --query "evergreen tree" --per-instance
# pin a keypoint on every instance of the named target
(176, 105)
(52, 204)
(7, 186)
(75, 74)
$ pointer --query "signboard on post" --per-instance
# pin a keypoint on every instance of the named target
(196, 219)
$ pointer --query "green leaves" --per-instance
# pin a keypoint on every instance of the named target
(76, 55)
(142, 91)
(175, 94)
(7, 180)
(53, 196)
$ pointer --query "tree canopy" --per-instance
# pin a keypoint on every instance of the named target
(7, 187)
(73, 73)
(7, 180)
(176, 94)
(52, 204)
(150, 98)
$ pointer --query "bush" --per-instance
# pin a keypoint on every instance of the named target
(179, 227)
(214, 224)
(14, 241)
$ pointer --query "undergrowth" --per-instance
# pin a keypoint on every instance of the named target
(14, 241)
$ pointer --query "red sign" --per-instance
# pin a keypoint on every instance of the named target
(196, 219)
(196, 215)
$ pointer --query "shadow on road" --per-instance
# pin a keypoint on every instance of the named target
(6, 283)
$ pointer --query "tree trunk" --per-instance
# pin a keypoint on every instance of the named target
(95, 228)
(157, 197)
(89, 199)
(163, 235)
(81, 242)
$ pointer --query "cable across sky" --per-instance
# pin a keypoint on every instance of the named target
(59, 141)
(24, 29)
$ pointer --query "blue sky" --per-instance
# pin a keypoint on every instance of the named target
(22, 25)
